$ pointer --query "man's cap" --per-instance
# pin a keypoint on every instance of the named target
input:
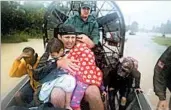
(64, 29)
(85, 5)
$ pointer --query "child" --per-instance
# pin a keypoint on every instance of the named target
(23, 65)
(88, 74)
(62, 79)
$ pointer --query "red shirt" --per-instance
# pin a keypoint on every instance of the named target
(88, 72)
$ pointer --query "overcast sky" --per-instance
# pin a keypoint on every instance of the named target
(146, 13)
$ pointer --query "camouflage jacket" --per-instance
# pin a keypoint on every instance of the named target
(162, 74)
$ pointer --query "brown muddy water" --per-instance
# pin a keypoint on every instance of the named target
(139, 46)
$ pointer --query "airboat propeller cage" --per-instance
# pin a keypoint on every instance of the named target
(107, 13)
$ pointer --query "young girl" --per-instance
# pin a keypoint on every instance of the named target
(88, 74)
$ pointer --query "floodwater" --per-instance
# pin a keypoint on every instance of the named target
(10, 51)
(139, 46)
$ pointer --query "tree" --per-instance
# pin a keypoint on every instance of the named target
(163, 29)
(166, 28)
(34, 14)
(134, 26)
(11, 15)
(22, 17)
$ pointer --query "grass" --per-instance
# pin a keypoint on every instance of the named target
(162, 41)
(18, 37)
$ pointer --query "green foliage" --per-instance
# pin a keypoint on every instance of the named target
(10, 16)
(25, 17)
(34, 14)
(35, 33)
(162, 41)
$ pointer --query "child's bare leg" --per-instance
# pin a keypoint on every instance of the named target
(68, 100)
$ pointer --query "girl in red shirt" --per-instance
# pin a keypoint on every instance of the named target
(88, 73)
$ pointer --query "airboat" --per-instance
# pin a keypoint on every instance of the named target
(112, 32)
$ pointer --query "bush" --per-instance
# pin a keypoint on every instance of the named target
(21, 36)
(14, 39)
(35, 33)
